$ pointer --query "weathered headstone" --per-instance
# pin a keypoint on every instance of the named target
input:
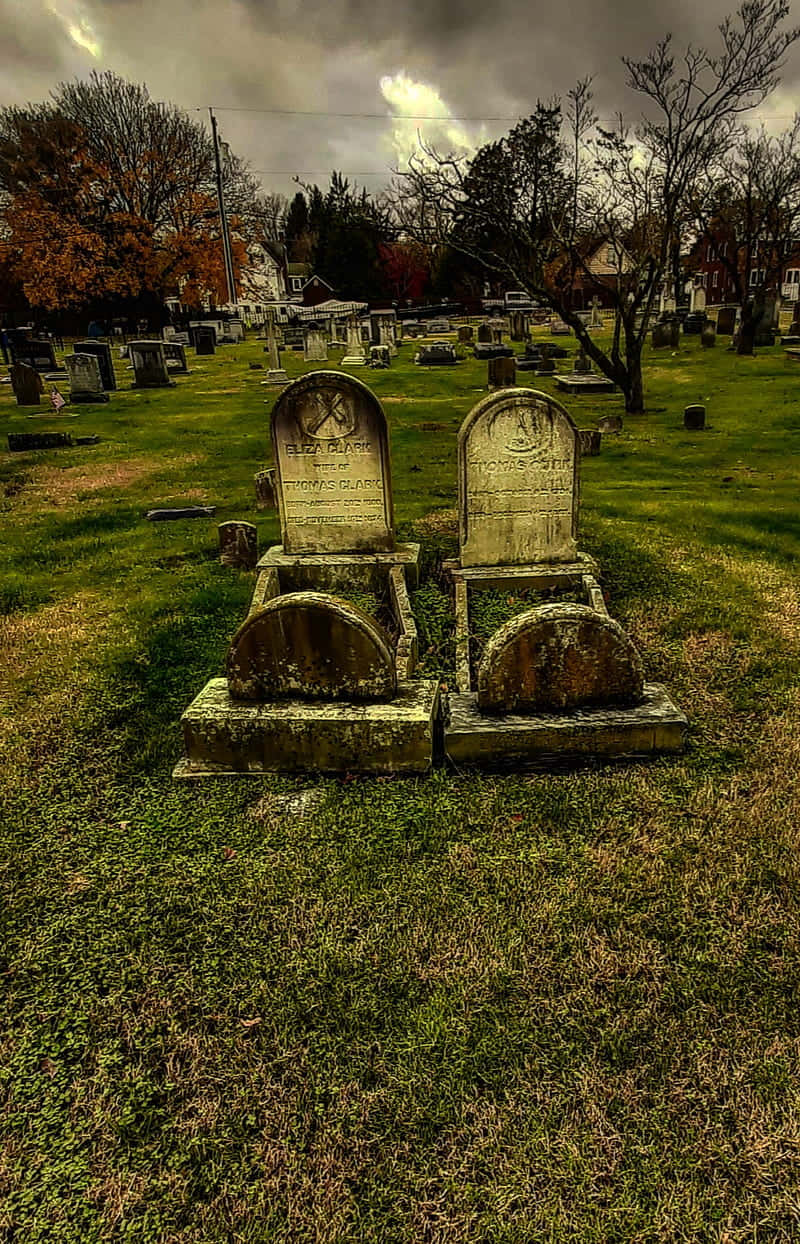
(175, 355)
(238, 545)
(609, 424)
(386, 330)
(85, 380)
(465, 333)
(582, 366)
(26, 383)
(265, 490)
(149, 365)
(438, 354)
(315, 347)
(502, 373)
(380, 356)
(497, 334)
(310, 645)
(560, 656)
(102, 352)
(517, 326)
(726, 321)
(331, 448)
(485, 332)
(596, 320)
(546, 365)
(590, 441)
(694, 418)
(354, 354)
(205, 339)
(708, 337)
(275, 373)
(699, 299)
(37, 353)
(518, 481)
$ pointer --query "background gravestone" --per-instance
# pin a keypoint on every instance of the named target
(37, 353)
(149, 365)
(238, 545)
(85, 380)
(331, 449)
(518, 456)
(484, 333)
(315, 347)
(726, 321)
(102, 352)
(502, 373)
(175, 355)
(205, 340)
(26, 383)
(694, 418)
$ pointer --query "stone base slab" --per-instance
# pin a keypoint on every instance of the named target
(540, 575)
(324, 572)
(227, 737)
(475, 739)
(355, 360)
(276, 377)
(585, 384)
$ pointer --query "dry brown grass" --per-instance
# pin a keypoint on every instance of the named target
(61, 486)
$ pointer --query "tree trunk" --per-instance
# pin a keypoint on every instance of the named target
(634, 387)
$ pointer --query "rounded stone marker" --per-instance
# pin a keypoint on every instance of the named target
(311, 646)
(694, 418)
(590, 441)
(558, 657)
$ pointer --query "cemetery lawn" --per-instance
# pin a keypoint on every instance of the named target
(540, 1007)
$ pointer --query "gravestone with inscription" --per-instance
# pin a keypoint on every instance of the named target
(85, 381)
(37, 353)
(331, 450)
(102, 352)
(175, 354)
(149, 365)
(518, 454)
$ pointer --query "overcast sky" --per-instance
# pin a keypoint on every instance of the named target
(446, 58)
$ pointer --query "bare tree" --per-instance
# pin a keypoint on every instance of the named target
(534, 206)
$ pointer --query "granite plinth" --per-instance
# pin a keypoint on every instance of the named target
(542, 740)
(584, 384)
(227, 737)
(277, 377)
(325, 572)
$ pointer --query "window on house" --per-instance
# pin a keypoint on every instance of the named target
(792, 276)
(610, 257)
(723, 250)
(757, 276)
(715, 278)
(709, 250)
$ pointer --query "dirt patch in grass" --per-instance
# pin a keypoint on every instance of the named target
(438, 522)
(59, 486)
(783, 614)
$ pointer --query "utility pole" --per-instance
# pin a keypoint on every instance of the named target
(223, 217)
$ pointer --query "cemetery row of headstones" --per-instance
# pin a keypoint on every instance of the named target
(315, 682)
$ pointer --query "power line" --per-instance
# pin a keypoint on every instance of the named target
(368, 116)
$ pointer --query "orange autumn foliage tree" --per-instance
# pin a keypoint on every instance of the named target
(109, 196)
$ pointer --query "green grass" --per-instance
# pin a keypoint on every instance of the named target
(558, 1007)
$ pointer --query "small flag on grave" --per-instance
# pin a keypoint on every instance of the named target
(56, 400)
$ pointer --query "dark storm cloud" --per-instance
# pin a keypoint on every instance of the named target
(483, 59)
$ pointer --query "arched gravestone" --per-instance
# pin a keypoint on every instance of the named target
(558, 657)
(331, 449)
(518, 455)
(309, 645)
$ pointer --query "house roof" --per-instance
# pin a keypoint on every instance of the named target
(331, 307)
(320, 281)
